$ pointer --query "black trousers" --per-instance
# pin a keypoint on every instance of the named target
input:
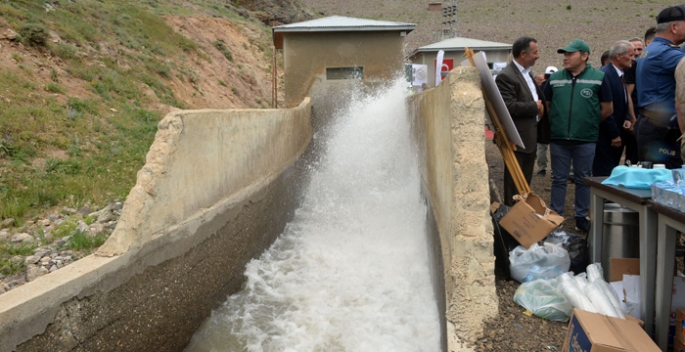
(658, 144)
(606, 157)
(629, 141)
(527, 163)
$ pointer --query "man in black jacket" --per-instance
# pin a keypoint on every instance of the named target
(524, 101)
(614, 130)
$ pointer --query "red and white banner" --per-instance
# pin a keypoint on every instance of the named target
(442, 67)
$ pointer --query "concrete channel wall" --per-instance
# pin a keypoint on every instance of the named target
(447, 123)
(217, 188)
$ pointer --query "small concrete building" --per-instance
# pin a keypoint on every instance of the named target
(339, 48)
(454, 49)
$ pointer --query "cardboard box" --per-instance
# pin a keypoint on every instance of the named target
(530, 221)
(620, 266)
(680, 326)
(677, 300)
(626, 272)
(592, 332)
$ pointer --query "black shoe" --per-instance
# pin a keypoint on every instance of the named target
(542, 172)
(583, 225)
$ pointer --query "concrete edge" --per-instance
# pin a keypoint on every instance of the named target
(448, 125)
(141, 199)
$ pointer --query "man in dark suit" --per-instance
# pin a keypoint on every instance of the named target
(610, 143)
(524, 101)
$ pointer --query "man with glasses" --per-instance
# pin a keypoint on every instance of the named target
(657, 130)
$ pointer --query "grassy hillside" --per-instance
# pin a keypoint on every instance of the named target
(84, 84)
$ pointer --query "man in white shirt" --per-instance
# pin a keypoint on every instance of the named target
(526, 105)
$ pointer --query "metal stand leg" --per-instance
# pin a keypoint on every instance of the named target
(664, 280)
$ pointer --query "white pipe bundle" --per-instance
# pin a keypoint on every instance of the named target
(613, 297)
(569, 288)
(595, 276)
(581, 280)
(601, 301)
(594, 272)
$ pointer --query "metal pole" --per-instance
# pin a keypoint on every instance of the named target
(273, 77)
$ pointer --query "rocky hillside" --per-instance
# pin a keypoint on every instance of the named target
(82, 77)
(83, 84)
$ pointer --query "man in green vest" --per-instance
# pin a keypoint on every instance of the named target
(579, 98)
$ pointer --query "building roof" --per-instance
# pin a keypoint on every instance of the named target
(338, 24)
(459, 43)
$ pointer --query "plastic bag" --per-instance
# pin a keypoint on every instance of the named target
(541, 298)
(568, 287)
(576, 245)
(538, 262)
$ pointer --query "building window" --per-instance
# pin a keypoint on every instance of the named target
(345, 73)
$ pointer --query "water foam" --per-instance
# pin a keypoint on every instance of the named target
(351, 271)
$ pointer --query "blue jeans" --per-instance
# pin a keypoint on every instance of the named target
(562, 154)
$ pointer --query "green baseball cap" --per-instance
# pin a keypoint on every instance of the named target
(576, 45)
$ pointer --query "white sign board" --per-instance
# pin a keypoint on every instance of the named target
(495, 98)
(419, 74)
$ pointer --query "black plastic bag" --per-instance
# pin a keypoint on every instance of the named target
(576, 245)
(504, 242)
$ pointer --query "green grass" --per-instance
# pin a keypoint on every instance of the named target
(54, 88)
(64, 229)
(61, 147)
(82, 242)
(104, 150)
(7, 251)
(79, 133)
(8, 268)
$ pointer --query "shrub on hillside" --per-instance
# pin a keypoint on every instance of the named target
(64, 50)
(224, 49)
(34, 34)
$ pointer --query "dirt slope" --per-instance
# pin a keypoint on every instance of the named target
(249, 73)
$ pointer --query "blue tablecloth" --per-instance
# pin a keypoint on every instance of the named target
(634, 177)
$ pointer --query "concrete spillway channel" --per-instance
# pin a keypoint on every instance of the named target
(221, 187)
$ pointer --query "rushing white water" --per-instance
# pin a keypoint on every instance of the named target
(351, 271)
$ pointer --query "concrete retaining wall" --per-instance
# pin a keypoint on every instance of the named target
(217, 188)
(447, 123)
